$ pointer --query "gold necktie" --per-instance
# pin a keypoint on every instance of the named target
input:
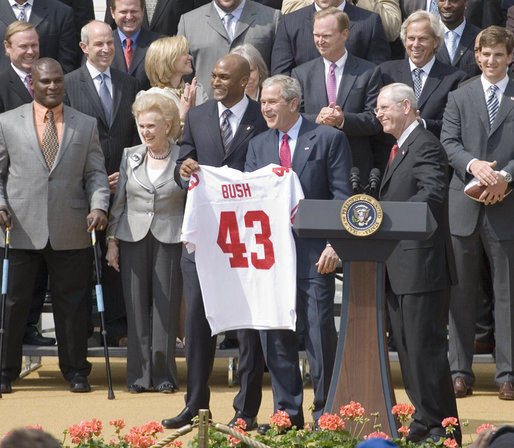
(50, 144)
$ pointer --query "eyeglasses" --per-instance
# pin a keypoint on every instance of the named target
(380, 109)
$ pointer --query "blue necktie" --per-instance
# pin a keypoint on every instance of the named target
(105, 97)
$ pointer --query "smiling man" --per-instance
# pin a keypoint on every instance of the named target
(217, 133)
(100, 91)
(53, 184)
(131, 41)
(422, 34)
(420, 272)
(477, 135)
(459, 37)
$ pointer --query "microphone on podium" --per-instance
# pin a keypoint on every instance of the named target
(374, 182)
(355, 176)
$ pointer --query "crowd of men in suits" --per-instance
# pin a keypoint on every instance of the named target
(351, 80)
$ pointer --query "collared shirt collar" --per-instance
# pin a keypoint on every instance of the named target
(94, 72)
(21, 74)
(426, 68)
(293, 131)
(502, 85)
(339, 63)
(133, 37)
(236, 13)
(341, 6)
(459, 30)
(407, 132)
(238, 109)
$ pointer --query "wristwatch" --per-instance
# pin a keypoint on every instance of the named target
(506, 176)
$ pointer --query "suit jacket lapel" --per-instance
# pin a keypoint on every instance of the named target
(17, 86)
(347, 80)
(212, 124)
(404, 73)
(29, 130)
(89, 89)
(318, 89)
(433, 80)
(39, 12)
(139, 52)
(245, 128)
(117, 91)
(159, 9)
(246, 19)
(67, 134)
(119, 56)
(213, 20)
(304, 145)
(137, 163)
(506, 106)
(466, 41)
(6, 13)
(400, 155)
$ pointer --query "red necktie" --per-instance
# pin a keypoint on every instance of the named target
(285, 152)
(128, 51)
(394, 150)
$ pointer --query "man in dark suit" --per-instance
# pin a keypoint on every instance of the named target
(477, 135)
(409, 6)
(422, 34)
(484, 13)
(352, 86)
(83, 12)
(202, 143)
(160, 16)
(54, 190)
(216, 28)
(130, 40)
(459, 37)
(294, 43)
(117, 131)
(321, 158)
(419, 272)
(54, 25)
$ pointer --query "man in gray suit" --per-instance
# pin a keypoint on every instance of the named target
(477, 135)
(214, 29)
(54, 190)
(340, 89)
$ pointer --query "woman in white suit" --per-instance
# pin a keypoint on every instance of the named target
(143, 240)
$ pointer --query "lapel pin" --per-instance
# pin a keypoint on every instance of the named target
(306, 148)
(248, 128)
(403, 152)
(512, 98)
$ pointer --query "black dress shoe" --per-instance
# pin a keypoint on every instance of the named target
(183, 419)
(136, 389)
(251, 422)
(79, 383)
(263, 429)
(33, 337)
(5, 386)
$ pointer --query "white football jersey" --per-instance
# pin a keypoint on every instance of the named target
(240, 225)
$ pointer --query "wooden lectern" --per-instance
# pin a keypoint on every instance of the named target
(361, 371)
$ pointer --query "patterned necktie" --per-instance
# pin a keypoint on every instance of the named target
(50, 143)
(105, 97)
(492, 104)
(418, 84)
(433, 8)
(331, 85)
(285, 152)
(27, 84)
(228, 19)
(393, 152)
(451, 43)
(150, 9)
(21, 15)
(226, 129)
(128, 51)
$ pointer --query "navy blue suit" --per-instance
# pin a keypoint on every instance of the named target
(201, 141)
(294, 42)
(322, 161)
(357, 97)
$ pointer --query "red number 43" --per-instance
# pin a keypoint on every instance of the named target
(230, 242)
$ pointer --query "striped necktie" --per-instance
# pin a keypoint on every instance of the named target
(226, 129)
(418, 84)
(21, 16)
(492, 104)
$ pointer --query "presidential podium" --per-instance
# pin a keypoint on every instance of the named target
(361, 371)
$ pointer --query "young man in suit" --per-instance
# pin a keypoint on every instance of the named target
(131, 40)
(459, 37)
(321, 158)
(477, 135)
(109, 101)
(202, 143)
(216, 28)
(54, 190)
(419, 272)
(340, 89)
(54, 24)
(422, 34)
(294, 43)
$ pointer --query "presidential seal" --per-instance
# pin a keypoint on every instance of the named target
(361, 215)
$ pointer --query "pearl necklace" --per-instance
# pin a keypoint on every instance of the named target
(158, 157)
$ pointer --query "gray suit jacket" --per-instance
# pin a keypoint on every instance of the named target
(51, 206)
(140, 207)
(466, 135)
(208, 40)
(409, 6)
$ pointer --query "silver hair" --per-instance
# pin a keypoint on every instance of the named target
(400, 92)
(435, 25)
(290, 87)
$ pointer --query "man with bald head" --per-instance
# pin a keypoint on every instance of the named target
(202, 143)
(54, 190)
